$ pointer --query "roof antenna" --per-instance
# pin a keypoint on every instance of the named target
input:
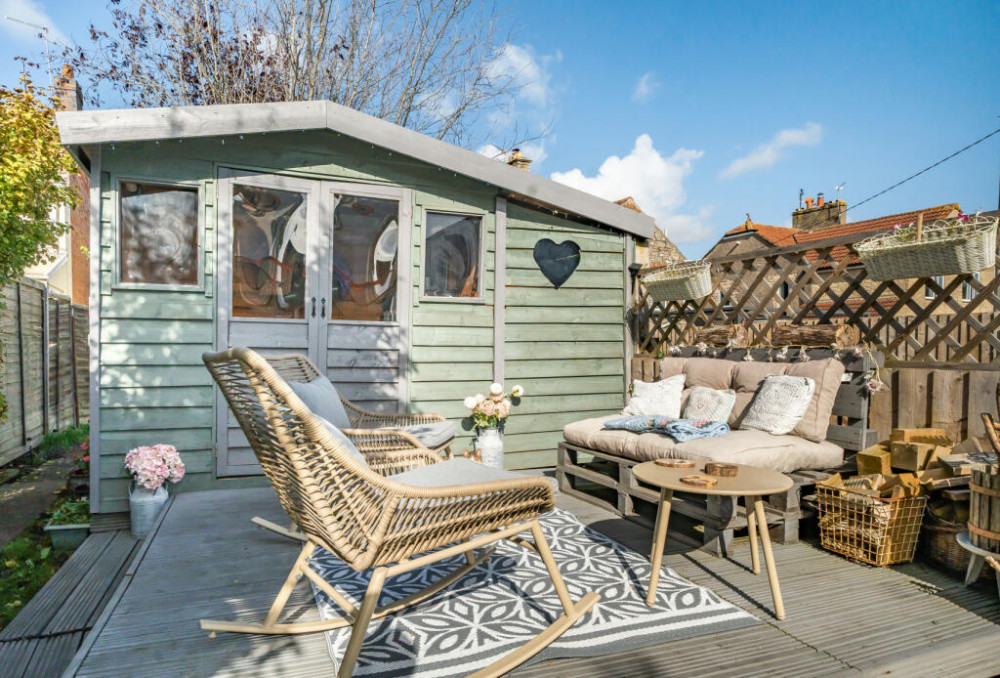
(44, 35)
(801, 193)
(840, 188)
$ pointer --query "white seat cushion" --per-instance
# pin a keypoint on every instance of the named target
(343, 440)
(459, 471)
(432, 435)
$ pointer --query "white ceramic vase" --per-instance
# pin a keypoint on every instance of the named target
(490, 443)
(144, 507)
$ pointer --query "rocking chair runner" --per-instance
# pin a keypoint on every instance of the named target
(369, 520)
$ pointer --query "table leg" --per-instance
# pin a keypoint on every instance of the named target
(976, 563)
(659, 542)
(752, 533)
(772, 570)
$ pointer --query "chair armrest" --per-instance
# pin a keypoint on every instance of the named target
(391, 463)
(362, 418)
(382, 440)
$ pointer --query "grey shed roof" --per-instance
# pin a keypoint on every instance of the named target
(83, 128)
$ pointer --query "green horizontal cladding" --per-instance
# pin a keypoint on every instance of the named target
(153, 386)
(566, 346)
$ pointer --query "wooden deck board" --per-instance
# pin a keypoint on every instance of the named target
(206, 559)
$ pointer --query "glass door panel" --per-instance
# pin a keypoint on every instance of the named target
(269, 253)
(363, 258)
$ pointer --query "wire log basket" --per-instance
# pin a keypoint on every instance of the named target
(942, 248)
(677, 282)
(875, 530)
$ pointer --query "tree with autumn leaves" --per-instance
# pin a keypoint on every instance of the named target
(33, 180)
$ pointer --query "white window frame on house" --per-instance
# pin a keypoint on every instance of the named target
(928, 292)
(117, 282)
(480, 297)
(968, 291)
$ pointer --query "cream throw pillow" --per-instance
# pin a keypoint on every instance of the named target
(779, 404)
(709, 403)
(658, 397)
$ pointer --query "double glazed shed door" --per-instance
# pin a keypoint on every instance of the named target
(318, 268)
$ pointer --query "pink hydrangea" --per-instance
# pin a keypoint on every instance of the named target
(152, 466)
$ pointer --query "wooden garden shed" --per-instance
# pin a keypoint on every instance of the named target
(408, 268)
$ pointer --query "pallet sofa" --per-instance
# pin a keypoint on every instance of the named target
(596, 465)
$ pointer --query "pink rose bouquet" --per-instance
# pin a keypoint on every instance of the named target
(152, 466)
(491, 411)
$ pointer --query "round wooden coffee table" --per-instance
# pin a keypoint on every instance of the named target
(750, 483)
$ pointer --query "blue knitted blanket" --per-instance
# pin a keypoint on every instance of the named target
(680, 430)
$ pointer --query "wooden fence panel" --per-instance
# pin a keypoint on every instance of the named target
(45, 365)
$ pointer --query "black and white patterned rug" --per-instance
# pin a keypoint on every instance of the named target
(509, 599)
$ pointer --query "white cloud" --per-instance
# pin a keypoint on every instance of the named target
(656, 182)
(644, 88)
(528, 71)
(769, 153)
(32, 12)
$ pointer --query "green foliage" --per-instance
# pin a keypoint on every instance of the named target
(33, 166)
(25, 565)
(72, 512)
(66, 438)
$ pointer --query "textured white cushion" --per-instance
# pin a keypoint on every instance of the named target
(322, 399)
(779, 404)
(658, 397)
(709, 403)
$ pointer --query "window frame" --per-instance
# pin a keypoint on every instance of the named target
(967, 287)
(480, 297)
(928, 293)
(117, 282)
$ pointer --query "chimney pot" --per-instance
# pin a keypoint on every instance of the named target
(809, 203)
(517, 160)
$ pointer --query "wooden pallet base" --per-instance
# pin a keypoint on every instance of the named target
(606, 480)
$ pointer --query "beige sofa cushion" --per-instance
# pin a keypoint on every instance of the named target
(590, 433)
(709, 372)
(826, 374)
(671, 367)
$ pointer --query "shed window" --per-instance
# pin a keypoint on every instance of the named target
(158, 234)
(364, 259)
(452, 255)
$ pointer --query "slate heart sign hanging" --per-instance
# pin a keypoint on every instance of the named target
(557, 262)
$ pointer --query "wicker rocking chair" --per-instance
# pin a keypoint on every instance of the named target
(371, 521)
(992, 426)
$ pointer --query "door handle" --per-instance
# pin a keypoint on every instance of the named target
(322, 308)
(314, 307)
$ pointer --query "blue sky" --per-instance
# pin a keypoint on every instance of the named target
(705, 111)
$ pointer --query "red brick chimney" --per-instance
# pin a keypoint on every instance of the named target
(820, 214)
(68, 91)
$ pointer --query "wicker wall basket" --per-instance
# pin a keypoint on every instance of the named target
(687, 280)
(942, 248)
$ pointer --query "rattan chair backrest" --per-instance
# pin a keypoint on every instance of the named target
(328, 494)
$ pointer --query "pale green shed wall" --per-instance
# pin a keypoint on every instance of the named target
(565, 346)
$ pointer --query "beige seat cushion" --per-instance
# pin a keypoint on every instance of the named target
(590, 433)
(826, 374)
(754, 448)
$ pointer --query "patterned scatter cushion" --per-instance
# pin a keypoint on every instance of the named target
(779, 405)
(659, 397)
(709, 403)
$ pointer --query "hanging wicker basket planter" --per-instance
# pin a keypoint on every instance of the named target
(948, 247)
(687, 280)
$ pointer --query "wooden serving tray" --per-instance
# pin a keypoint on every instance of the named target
(675, 463)
(699, 481)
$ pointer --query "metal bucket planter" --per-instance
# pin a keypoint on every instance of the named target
(687, 280)
(943, 248)
(67, 537)
(144, 506)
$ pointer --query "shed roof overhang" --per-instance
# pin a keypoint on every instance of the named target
(91, 127)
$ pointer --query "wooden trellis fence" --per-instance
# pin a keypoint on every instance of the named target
(939, 336)
(920, 322)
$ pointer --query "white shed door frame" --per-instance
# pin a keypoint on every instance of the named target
(316, 334)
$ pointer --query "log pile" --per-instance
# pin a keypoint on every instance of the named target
(842, 336)
(723, 336)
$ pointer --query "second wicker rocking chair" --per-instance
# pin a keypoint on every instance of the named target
(371, 521)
